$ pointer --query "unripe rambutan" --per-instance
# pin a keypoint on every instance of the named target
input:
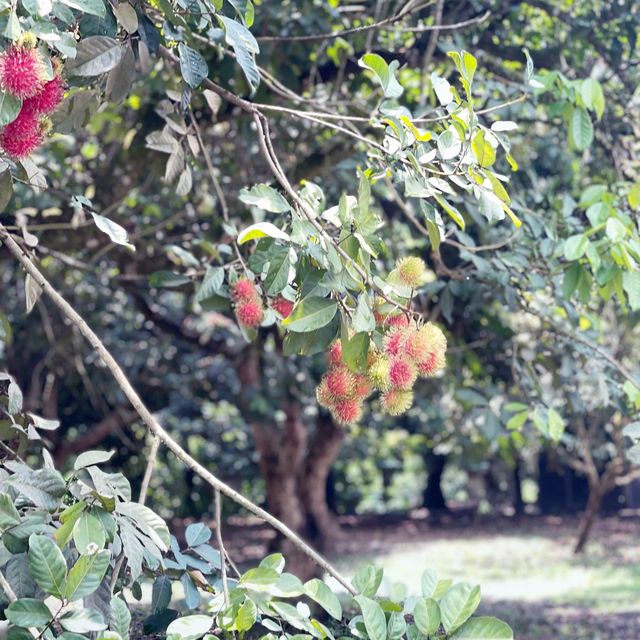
(22, 136)
(378, 372)
(48, 99)
(347, 411)
(410, 271)
(402, 373)
(244, 289)
(362, 387)
(433, 358)
(396, 401)
(249, 312)
(22, 70)
(340, 382)
(334, 355)
(283, 306)
(323, 395)
(417, 345)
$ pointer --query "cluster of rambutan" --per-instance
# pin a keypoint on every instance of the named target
(342, 391)
(248, 305)
(23, 75)
(408, 351)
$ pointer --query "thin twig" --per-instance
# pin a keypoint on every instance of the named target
(148, 472)
(223, 553)
(150, 420)
(447, 27)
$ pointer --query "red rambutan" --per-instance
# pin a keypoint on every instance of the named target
(402, 374)
(323, 395)
(340, 382)
(48, 99)
(22, 71)
(393, 341)
(334, 355)
(20, 137)
(244, 289)
(249, 312)
(399, 320)
(433, 363)
(283, 306)
(362, 388)
(347, 411)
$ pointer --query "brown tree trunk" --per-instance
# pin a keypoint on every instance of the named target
(588, 517)
(433, 497)
(321, 525)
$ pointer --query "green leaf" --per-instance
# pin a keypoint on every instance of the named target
(88, 534)
(397, 626)
(317, 590)
(95, 55)
(115, 232)
(485, 154)
(575, 246)
(451, 210)
(82, 621)
(47, 565)
(28, 612)
(556, 425)
(120, 617)
(259, 577)
(197, 534)
(160, 594)
(581, 128)
(211, 283)
(616, 231)
(86, 575)
(355, 351)
(483, 628)
(592, 96)
(385, 73)
(458, 604)
(245, 46)
(9, 108)
(167, 279)
(9, 515)
(634, 195)
(92, 7)
(193, 67)
(247, 615)
(266, 198)
(427, 616)
(89, 458)
(363, 318)
(310, 314)
(190, 627)
(262, 230)
(367, 580)
(631, 285)
(374, 619)
(516, 421)
(277, 276)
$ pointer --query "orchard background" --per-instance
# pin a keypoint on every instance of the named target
(316, 314)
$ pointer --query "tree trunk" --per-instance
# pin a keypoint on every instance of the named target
(518, 502)
(321, 525)
(588, 517)
(433, 498)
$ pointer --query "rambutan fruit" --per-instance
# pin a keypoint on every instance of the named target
(434, 344)
(282, 306)
(417, 345)
(432, 364)
(340, 382)
(323, 395)
(244, 289)
(410, 271)
(393, 341)
(334, 355)
(47, 99)
(396, 401)
(249, 312)
(402, 373)
(347, 411)
(399, 320)
(378, 372)
(362, 387)
(22, 70)
(22, 136)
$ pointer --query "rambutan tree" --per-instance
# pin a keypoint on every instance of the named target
(342, 217)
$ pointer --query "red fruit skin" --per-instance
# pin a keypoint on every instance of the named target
(348, 411)
(249, 313)
(48, 99)
(22, 136)
(339, 382)
(283, 306)
(393, 342)
(398, 321)
(21, 71)
(335, 354)
(402, 374)
(362, 388)
(244, 289)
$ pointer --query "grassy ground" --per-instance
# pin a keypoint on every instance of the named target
(528, 574)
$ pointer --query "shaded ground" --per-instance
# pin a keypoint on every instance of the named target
(528, 574)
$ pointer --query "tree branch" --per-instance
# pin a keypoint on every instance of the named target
(149, 419)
